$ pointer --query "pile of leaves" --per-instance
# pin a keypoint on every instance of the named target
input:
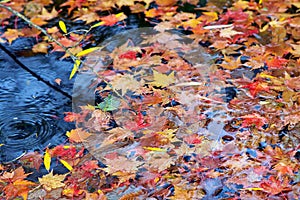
(150, 134)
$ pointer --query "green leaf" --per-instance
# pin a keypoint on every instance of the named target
(87, 51)
(62, 26)
(75, 68)
(110, 103)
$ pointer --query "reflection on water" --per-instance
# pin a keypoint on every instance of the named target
(31, 113)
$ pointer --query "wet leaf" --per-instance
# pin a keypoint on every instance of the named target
(47, 160)
(50, 181)
(110, 103)
(78, 135)
(75, 68)
(162, 80)
(66, 164)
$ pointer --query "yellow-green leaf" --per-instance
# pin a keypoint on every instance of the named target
(62, 26)
(75, 68)
(87, 51)
(155, 149)
(66, 164)
(254, 189)
(47, 160)
(97, 24)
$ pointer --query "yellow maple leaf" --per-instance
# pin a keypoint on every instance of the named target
(50, 181)
(162, 80)
(229, 32)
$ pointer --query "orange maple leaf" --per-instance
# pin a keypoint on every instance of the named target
(256, 87)
(276, 63)
(78, 135)
(12, 34)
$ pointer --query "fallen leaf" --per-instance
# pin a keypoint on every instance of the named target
(162, 80)
(50, 181)
(78, 135)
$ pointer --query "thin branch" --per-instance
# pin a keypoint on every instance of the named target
(74, 58)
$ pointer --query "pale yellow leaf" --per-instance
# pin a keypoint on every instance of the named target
(162, 80)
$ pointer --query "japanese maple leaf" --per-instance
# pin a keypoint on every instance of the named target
(256, 87)
(275, 186)
(16, 185)
(253, 119)
(12, 34)
(111, 20)
(50, 181)
(162, 80)
(74, 4)
(276, 63)
(78, 135)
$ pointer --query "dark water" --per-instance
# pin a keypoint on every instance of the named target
(31, 112)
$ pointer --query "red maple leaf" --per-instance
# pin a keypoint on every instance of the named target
(128, 55)
(256, 87)
(276, 63)
(253, 119)
(275, 186)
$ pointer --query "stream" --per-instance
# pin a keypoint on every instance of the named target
(31, 112)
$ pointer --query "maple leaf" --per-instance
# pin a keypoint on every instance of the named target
(90, 165)
(276, 63)
(11, 34)
(50, 181)
(16, 186)
(159, 160)
(40, 48)
(253, 119)
(231, 63)
(229, 32)
(165, 2)
(275, 186)
(256, 87)
(78, 135)
(32, 159)
(283, 169)
(75, 4)
(125, 83)
(162, 80)
(86, 15)
(122, 164)
(111, 20)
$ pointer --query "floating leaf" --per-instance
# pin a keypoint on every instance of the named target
(50, 181)
(77, 135)
(75, 68)
(87, 51)
(66, 164)
(155, 149)
(62, 26)
(163, 80)
(47, 160)
(110, 103)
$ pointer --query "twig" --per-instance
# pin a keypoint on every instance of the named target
(74, 58)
